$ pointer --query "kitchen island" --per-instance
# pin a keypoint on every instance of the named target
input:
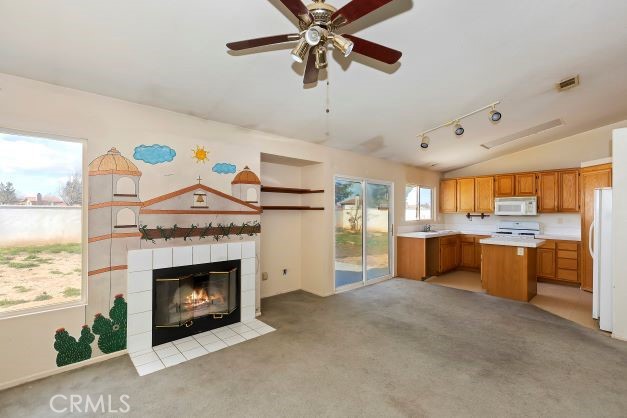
(508, 267)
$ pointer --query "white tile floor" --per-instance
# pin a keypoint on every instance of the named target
(170, 354)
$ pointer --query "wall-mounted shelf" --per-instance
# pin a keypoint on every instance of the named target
(291, 190)
(290, 208)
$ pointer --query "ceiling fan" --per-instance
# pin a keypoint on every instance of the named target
(318, 23)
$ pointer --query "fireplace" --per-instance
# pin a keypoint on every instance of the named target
(192, 299)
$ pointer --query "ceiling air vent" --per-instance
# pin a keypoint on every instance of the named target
(568, 83)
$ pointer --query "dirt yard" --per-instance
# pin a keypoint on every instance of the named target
(39, 275)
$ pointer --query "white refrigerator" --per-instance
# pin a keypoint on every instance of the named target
(601, 251)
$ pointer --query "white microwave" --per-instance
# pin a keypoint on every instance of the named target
(516, 206)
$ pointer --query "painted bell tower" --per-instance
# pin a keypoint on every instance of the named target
(246, 186)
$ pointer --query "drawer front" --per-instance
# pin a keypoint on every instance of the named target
(548, 244)
(564, 245)
(567, 263)
(567, 254)
(467, 238)
(569, 275)
(451, 240)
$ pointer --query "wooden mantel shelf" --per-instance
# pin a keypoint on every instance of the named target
(291, 208)
(292, 190)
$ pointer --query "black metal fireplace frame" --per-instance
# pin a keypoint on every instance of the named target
(162, 335)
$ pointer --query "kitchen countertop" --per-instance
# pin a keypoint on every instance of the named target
(513, 242)
(447, 232)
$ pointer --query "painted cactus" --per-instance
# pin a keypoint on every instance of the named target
(112, 331)
(71, 351)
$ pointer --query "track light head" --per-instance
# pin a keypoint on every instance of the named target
(300, 50)
(424, 144)
(495, 115)
(343, 45)
(459, 129)
(313, 35)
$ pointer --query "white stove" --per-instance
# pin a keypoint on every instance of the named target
(517, 230)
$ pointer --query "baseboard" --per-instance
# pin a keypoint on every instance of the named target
(48, 373)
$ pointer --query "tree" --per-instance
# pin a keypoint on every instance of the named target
(7, 193)
(72, 191)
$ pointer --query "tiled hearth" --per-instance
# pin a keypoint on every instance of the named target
(166, 355)
(141, 264)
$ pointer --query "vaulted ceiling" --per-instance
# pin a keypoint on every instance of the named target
(458, 56)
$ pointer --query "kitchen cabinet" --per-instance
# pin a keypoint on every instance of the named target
(504, 185)
(548, 193)
(568, 191)
(590, 179)
(449, 253)
(525, 184)
(484, 194)
(567, 256)
(546, 260)
(466, 195)
(468, 254)
(448, 196)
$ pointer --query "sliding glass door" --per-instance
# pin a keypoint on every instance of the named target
(363, 220)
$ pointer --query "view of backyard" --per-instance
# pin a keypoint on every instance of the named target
(39, 275)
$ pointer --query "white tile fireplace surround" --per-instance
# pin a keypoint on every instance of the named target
(141, 264)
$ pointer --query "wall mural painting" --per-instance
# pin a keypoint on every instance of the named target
(119, 221)
(111, 336)
(154, 154)
(200, 154)
(224, 168)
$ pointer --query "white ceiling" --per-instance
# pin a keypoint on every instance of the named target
(458, 56)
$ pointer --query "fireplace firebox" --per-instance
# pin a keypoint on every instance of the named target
(192, 299)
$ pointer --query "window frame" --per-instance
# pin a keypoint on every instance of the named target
(82, 301)
(418, 188)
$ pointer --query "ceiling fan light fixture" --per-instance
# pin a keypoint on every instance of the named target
(314, 35)
(344, 45)
(321, 57)
(299, 51)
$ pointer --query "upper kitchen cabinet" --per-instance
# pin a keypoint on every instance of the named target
(504, 185)
(526, 184)
(448, 196)
(466, 195)
(484, 194)
(568, 191)
(548, 186)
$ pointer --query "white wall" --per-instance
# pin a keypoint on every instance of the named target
(19, 225)
(564, 153)
(619, 224)
(568, 224)
(32, 106)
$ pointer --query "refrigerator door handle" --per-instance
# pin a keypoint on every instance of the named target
(590, 238)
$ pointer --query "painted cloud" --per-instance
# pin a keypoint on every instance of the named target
(154, 154)
(224, 168)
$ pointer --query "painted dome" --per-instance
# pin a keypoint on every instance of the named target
(246, 177)
(113, 163)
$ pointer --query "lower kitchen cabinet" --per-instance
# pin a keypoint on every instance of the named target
(470, 249)
(449, 253)
(558, 260)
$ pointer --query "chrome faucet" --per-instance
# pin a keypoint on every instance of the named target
(426, 228)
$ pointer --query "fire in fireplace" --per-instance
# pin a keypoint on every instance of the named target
(192, 299)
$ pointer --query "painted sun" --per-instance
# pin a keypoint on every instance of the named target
(200, 154)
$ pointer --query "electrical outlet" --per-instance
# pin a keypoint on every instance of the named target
(521, 251)
(285, 272)
(264, 275)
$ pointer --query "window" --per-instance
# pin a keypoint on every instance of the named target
(41, 218)
(418, 203)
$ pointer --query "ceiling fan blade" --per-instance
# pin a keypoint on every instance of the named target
(375, 51)
(311, 72)
(268, 40)
(354, 10)
(298, 9)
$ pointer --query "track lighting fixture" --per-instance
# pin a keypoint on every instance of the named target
(495, 115)
(459, 129)
(343, 45)
(313, 35)
(300, 50)
(321, 57)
